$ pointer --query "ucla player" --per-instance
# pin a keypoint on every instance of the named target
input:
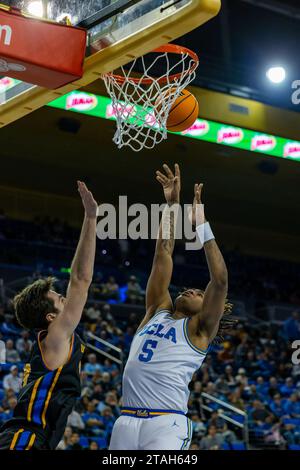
(172, 340)
(51, 378)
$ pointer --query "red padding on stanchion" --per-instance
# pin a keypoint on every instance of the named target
(47, 54)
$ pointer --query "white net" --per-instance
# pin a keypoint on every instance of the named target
(141, 105)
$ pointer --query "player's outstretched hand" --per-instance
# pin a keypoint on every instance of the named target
(88, 201)
(171, 183)
(196, 212)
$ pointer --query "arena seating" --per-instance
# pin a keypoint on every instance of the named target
(248, 370)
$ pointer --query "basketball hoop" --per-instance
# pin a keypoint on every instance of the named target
(141, 105)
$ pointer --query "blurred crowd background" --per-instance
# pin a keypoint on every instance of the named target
(252, 370)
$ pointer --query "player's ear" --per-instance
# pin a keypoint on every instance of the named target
(50, 317)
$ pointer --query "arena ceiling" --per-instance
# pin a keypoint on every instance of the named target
(237, 47)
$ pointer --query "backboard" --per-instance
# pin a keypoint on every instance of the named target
(119, 31)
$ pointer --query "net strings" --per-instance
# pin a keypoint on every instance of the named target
(141, 111)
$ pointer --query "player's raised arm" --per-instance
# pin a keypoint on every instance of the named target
(157, 293)
(81, 273)
(207, 322)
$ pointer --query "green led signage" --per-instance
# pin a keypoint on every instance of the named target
(210, 131)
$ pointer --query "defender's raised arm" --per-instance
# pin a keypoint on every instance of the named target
(65, 322)
(82, 266)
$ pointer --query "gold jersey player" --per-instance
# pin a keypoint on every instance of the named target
(172, 341)
(51, 379)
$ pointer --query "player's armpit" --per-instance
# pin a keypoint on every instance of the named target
(198, 338)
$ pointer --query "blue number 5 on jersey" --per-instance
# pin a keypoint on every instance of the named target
(147, 350)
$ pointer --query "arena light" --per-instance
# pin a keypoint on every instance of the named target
(276, 74)
(36, 8)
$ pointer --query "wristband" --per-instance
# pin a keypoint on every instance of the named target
(204, 233)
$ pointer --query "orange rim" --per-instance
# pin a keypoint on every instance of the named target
(172, 48)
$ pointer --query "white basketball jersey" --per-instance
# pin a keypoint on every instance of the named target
(161, 363)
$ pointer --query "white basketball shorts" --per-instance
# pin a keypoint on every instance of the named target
(162, 432)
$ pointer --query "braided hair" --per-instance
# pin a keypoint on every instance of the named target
(227, 323)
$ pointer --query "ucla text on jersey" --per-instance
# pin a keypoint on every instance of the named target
(160, 366)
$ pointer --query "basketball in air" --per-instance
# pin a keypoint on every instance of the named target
(183, 113)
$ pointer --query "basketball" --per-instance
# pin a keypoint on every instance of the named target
(183, 112)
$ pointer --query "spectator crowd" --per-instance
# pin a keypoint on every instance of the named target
(252, 370)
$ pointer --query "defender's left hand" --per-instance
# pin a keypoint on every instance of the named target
(88, 201)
